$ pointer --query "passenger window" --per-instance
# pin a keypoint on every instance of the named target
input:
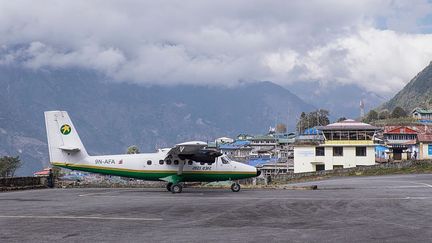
(149, 162)
(190, 162)
(224, 160)
(202, 163)
(168, 162)
(176, 162)
(161, 162)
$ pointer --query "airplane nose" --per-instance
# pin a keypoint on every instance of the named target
(258, 172)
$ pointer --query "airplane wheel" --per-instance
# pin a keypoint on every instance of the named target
(168, 186)
(235, 187)
(176, 188)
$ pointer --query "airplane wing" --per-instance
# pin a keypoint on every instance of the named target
(195, 150)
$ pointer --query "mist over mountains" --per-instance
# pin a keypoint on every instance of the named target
(111, 116)
(340, 100)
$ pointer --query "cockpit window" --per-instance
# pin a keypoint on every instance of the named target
(225, 160)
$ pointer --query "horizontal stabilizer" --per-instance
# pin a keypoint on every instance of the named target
(70, 149)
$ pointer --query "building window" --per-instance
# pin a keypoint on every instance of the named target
(319, 151)
(319, 167)
(360, 151)
(337, 151)
(149, 162)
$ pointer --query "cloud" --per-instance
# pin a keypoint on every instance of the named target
(39, 55)
(377, 45)
(376, 60)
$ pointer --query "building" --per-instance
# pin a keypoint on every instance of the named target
(343, 144)
(422, 114)
(239, 150)
(42, 173)
(401, 141)
(272, 168)
(425, 146)
(273, 153)
(224, 140)
(408, 142)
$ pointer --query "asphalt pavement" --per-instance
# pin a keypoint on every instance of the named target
(352, 209)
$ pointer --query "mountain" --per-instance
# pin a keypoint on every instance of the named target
(340, 100)
(417, 93)
(111, 115)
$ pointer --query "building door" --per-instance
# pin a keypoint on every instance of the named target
(319, 167)
(397, 154)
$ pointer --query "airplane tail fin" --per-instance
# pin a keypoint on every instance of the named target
(64, 144)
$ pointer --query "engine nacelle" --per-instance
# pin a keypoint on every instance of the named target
(204, 155)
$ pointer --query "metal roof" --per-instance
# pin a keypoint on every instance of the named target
(348, 124)
(422, 111)
(235, 145)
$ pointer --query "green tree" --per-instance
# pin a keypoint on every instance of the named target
(384, 114)
(341, 119)
(312, 119)
(8, 165)
(133, 150)
(371, 116)
(398, 112)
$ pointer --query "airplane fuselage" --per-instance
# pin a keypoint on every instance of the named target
(154, 166)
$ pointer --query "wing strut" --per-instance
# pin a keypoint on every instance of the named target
(181, 165)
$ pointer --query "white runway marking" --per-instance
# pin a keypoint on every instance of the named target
(419, 183)
(93, 194)
(77, 217)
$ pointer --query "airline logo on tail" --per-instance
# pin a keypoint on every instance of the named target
(65, 129)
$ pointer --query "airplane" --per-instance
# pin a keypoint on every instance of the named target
(185, 162)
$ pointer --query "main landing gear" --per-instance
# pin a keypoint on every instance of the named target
(174, 188)
(177, 188)
(235, 187)
(168, 186)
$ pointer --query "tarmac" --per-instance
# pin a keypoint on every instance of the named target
(394, 208)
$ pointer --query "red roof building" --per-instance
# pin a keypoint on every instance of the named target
(44, 172)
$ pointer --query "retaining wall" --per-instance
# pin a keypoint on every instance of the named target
(18, 183)
(347, 171)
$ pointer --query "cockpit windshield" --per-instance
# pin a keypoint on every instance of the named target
(225, 160)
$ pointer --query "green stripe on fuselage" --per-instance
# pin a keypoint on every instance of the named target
(156, 175)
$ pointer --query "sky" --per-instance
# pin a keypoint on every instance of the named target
(378, 45)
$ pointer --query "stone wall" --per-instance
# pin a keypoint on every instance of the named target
(348, 171)
(18, 183)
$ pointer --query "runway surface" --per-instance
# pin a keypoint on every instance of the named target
(353, 209)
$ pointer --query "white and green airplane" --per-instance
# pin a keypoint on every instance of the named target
(186, 162)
